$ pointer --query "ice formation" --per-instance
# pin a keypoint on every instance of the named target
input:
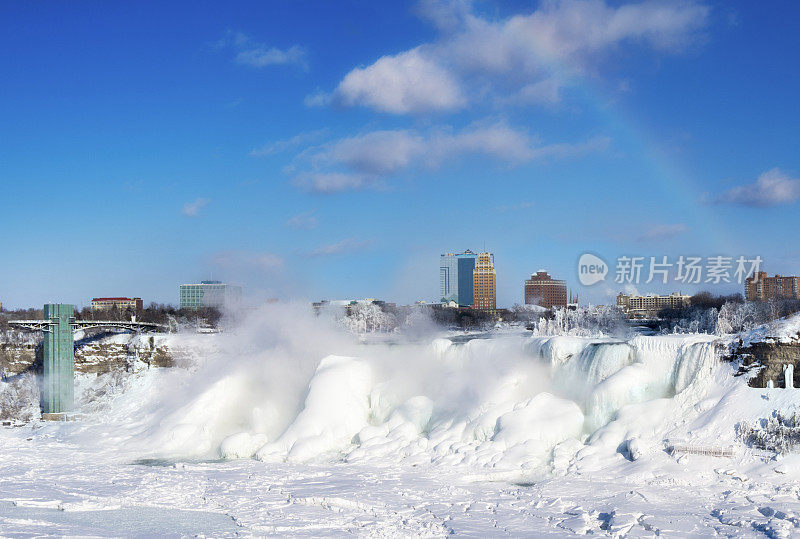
(509, 402)
(291, 388)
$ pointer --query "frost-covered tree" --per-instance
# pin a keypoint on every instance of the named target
(19, 397)
(697, 321)
(779, 433)
(582, 322)
(369, 317)
(736, 317)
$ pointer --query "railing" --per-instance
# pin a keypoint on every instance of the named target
(135, 326)
(32, 325)
(726, 452)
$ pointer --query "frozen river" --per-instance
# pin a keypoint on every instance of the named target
(52, 488)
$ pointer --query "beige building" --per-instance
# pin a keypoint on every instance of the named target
(649, 305)
(121, 304)
(484, 283)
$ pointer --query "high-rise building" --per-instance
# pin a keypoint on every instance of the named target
(543, 290)
(455, 277)
(210, 294)
(484, 283)
(759, 287)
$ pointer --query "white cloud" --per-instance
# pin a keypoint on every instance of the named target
(497, 140)
(563, 150)
(371, 156)
(662, 232)
(258, 55)
(303, 221)
(447, 15)
(317, 99)
(348, 245)
(527, 57)
(543, 92)
(192, 209)
(262, 56)
(287, 144)
(409, 82)
(576, 31)
(772, 188)
(377, 152)
(333, 182)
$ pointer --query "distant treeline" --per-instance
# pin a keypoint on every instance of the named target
(703, 301)
(707, 311)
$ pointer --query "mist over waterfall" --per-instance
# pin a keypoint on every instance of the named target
(306, 390)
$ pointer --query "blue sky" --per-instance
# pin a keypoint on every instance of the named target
(326, 150)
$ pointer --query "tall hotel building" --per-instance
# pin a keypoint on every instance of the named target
(484, 283)
(455, 277)
(759, 287)
(541, 289)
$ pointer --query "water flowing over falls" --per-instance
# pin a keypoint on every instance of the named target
(506, 402)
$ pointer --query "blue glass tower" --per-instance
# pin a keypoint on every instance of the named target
(455, 277)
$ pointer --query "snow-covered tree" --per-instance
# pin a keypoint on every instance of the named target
(582, 322)
(779, 433)
(369, 317)
(19, 397)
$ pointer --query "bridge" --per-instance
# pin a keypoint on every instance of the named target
(46, 325)
(58, 326)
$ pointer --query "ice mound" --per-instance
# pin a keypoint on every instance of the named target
(512, 401)
(336, 408)
(535, 427)
(502, 403)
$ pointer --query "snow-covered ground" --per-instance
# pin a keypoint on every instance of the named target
(287, 426)
(784, 330)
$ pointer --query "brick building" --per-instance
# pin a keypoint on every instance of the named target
(759, 287)
(543, 290)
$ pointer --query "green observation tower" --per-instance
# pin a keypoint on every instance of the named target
(58, 383)
(58, 347)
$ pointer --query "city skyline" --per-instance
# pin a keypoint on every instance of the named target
(282, 152)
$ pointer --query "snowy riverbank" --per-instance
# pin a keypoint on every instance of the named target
(323, 434)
